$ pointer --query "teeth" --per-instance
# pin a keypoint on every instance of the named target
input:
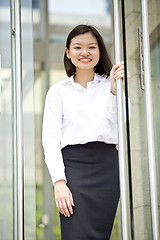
(85, 60)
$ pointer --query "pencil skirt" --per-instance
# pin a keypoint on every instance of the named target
(92, 174)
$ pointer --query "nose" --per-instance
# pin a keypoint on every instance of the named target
(85, 52)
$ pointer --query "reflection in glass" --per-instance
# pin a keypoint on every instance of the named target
(6, 193)
(28, 122)
(138, 129)
(154, 29)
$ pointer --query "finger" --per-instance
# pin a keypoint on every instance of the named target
(119, 74)
(113, 69)
(59, 206)
(116, 75)
(65, 209)
(61, 211)
(117, 68)
(71, 198)
(121, 63)
(121, 68)
(69, 205)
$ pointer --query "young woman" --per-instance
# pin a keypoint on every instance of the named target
(80, 137)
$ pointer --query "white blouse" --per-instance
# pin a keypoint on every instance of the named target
(74, 114)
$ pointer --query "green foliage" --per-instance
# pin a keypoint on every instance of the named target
(114, 235)
(39, 211)
(39, 214)
(57, 232)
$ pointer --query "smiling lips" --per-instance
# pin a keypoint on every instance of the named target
(85, 60)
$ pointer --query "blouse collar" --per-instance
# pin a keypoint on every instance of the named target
(97, 78)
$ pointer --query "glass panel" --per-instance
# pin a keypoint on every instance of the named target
(154, 31)
(28, 122)
(62, 16)
(138, 130)
(6, 193)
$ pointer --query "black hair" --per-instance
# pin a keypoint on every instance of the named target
(104, 65)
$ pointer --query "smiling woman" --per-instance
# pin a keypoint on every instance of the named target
(104, 65)
(84, 54)
(84, 48)
(80, 137)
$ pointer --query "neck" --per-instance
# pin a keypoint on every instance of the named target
(83, 76)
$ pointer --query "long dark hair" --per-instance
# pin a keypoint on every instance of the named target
(104, 65)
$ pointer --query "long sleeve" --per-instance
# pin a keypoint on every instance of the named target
(52, 135)
(112, 108)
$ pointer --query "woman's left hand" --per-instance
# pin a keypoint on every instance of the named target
(116, 73)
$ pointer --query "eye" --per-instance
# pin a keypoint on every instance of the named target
(77, 48)
(92, 47)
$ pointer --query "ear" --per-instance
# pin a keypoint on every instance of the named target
(67, 53)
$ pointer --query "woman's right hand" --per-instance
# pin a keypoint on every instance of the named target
(63, 198)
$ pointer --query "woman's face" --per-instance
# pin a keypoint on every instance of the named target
(84, 51)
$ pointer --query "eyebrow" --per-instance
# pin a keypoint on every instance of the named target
(80, 43)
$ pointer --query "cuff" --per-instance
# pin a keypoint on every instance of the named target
(58, 176)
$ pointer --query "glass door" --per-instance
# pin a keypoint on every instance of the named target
(154, 29)
(140, 147)
(6, 147)
(58, 19)
(154, 37)
(10, 210)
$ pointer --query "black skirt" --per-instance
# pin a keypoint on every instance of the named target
(93, 178)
